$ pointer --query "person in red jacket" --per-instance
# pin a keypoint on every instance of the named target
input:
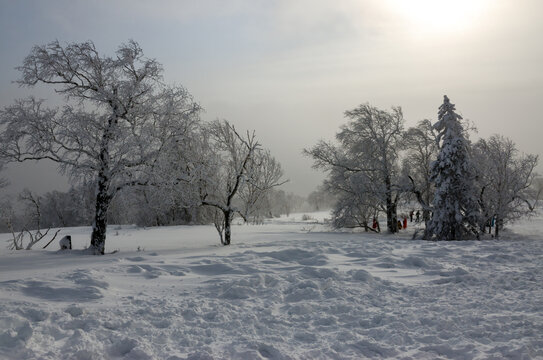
(405, 222)
(375, 225)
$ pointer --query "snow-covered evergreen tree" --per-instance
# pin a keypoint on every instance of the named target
(455, 208)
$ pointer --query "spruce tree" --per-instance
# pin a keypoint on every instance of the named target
(455, 208)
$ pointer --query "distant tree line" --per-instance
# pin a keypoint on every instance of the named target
(141, 206)
(461, 188)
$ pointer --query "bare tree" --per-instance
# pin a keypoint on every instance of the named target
(71, 208)
(32, 220)
(421, 150)
(117, 119)
(240, 166)
(3, 182)
(33, 207)
(352, 209)
(505, 178)
(178, 175)
(366, 161)
(536, 191)
(265, 174)
(7, 216)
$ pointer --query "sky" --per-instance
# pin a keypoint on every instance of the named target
(290, 69)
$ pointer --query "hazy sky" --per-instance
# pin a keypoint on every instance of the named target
(289, 69)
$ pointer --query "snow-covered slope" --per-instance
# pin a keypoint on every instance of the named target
(286, 289)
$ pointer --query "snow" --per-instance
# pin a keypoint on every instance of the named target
(456, 211)
(287, 289)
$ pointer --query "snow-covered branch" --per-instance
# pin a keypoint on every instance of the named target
(241, 171)
(115, 124)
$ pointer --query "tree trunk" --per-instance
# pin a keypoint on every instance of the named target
(392, 221)
(103, 199)
(426, 216)
(392, 217)
(227, 226)
(497, 227)
(98, 237)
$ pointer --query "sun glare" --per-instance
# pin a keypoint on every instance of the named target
(440, 16)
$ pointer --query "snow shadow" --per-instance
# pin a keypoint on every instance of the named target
(77, 286)
(43, 290)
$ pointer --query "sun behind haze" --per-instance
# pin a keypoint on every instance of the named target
(439, 17)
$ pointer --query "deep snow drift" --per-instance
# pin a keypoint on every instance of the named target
(286, 289)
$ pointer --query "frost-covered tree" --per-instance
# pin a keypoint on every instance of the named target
(366, 161)
(536, 191)
(355, 200)
(266, 174)
(237, 165)
(33, 208)
(3, 181)
(421, 150)
(352, 209)
(25, 227)
(63, 209)
(174, 197)
(117, 120)
(505, 178)
(455, 208)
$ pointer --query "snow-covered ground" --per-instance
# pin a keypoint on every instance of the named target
(286, 289)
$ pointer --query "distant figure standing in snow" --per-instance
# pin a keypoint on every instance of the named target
(405, 222)
(418, 216)
(375, 225)
(399, 225)
(411, 215)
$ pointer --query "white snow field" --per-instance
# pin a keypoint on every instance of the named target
(288, 289)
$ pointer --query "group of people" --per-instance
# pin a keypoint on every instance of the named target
(417, 215)
(402, 224)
